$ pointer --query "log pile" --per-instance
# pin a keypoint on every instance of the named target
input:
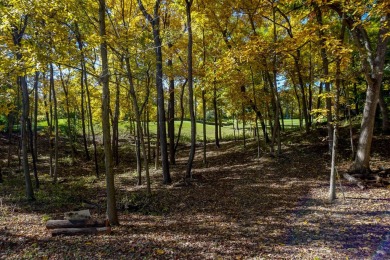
(375, 178)
(78, 223)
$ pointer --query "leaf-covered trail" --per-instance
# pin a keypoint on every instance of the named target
(239, 207)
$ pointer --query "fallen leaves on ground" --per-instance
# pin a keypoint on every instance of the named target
(239, 207)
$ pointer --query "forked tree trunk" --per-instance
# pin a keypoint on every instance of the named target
(17, 35)
(373, 66)
(155, 22)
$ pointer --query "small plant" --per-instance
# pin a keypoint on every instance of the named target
(45, 218)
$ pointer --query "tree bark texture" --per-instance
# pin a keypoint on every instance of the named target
(110, 187)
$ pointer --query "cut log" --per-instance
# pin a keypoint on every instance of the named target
(81, 231)
(52, 224)
(353, 180)
(78, 215)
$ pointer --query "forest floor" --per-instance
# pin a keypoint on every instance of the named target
(239, 207)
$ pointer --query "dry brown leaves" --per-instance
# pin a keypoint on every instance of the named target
(240, 207)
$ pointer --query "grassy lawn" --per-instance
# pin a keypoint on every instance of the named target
(227, 128)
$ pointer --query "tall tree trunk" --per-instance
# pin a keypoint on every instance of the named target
(56, 133)
(181, 114)
(155, 22)
(333, 172)
(171, 112)
(24, 120)
(36, 98)
(11, 119)
(51, 127)
(110, 186)
(33, 133)
(243, 125)
(89, 106)
(190, 90)
(204, 127)
(115, 122)
(82, 105)
(17, 35)
(215, 114)
(325, 71)
(148, 135)
(277, 110)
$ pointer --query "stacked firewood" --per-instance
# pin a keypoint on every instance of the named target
(78, 223)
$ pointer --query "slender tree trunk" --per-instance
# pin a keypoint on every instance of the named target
(24, 120)
(171, 112)
(148, 135)
(220, 124)
(215, 114)
(350, 126)
(190, 90)
(89, 106)
(243, 125)
(138, 156)
(56, 134)
(319, 95)
(110, 186)
(32, 135)
(36, 98)
(332, 185)
(204, 127)
(115, 123)
(277, 110)
(325, 69)
(385, 114)
(82, 96)
(157, 151)
(50, 124)
(181, 115)
(11, 119)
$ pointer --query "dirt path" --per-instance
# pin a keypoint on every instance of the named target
(240, 207)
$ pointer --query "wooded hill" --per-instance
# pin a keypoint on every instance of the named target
(98, 63)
